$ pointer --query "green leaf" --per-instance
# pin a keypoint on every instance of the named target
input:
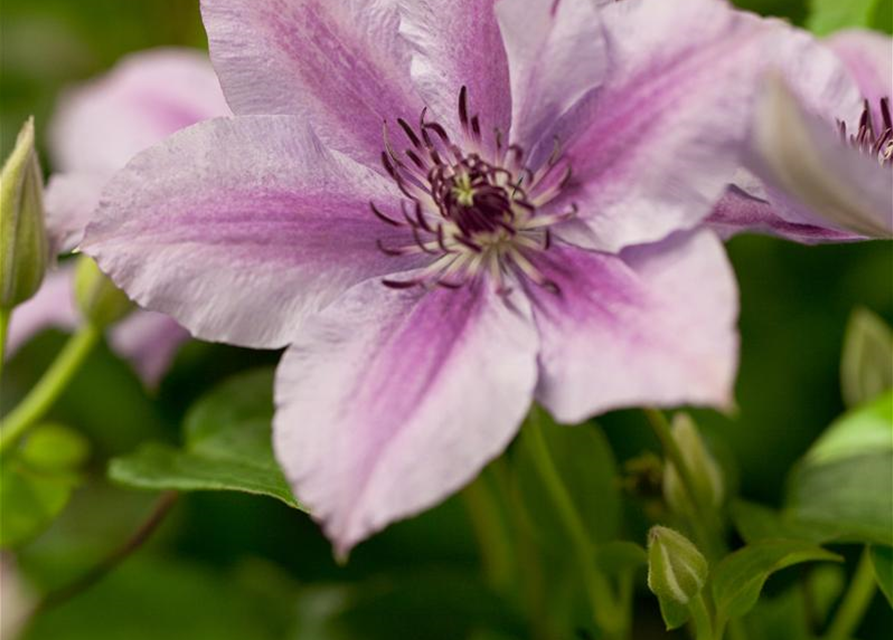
(866, 368)
(783, 617)
(30, 500)
(836, 485)
(55, 447)
(441, 605)
(739, 578)
(828, 16)
(756, 522)
(619, 557)
(585, 463)
(882, 561)
(149, 598)
(227, 446)
(37, 482)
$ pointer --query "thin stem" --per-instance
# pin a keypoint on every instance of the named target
(661, 427)
(855, 603)
(490, 529)
(50, 387)
(114, 559)
(704, 523)
(528, 562)
(701, 617)
(5, 315)
(603, 602)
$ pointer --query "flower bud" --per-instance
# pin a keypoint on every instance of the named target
(24, 247)
(676, 573)
(100, 301)
(704, 470)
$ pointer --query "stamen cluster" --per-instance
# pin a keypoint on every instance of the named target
(474, 208)
(868, 139)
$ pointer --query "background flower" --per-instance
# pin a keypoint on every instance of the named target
(824, 160)
(97, 128)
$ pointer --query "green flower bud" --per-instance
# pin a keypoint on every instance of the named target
(24, 247)
(705, 471)
(100, 301)
(677, 573)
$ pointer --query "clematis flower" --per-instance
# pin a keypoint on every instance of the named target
(821, 166)
(96, 130)
(448, 208)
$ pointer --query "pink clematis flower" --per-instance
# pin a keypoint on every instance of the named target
(96, 130)
(449, 208)
(821, 164)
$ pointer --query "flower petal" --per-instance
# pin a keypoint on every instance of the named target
(802, 157)
(70, 200)
(652, 326)
(869, 57)
(239, 227)
(149, 341)
(457, 43)
(654, 148)
(99, 126)
(51, 307)
(393, 400)
(338, 64)
(739, 212)
(557, 53)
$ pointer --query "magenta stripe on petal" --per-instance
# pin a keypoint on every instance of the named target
(738, 212)
(457, 43)
(391, 401)
(340, 65)
(653, 326)
(238, 228)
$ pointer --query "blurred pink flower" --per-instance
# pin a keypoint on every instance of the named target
(449, 208)
(97, 128)
(821, 163)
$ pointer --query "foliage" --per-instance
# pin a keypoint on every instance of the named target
(228, 564)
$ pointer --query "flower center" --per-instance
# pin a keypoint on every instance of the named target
(874, 142)
(474, 209)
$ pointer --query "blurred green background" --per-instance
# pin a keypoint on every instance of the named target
(223, 567)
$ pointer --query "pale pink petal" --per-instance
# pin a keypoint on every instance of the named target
(149, 341)
(557, 53)
(826, 90)
(51, 307)
(147, 96)
(739, 212)
(340, 65)
(457, 43)
(654, 148)
(869, 57)
(70, 200)
(390, 401)
(654, 326)
(239, 227)
(811, 176)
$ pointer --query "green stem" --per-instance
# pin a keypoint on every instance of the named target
(4, 329)
(704, 523)
(490, 530)
(701, 617)
(855, 603)
(162, 508)
(603, 602)
(50, 387)
(528, 561)
(661, 427)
